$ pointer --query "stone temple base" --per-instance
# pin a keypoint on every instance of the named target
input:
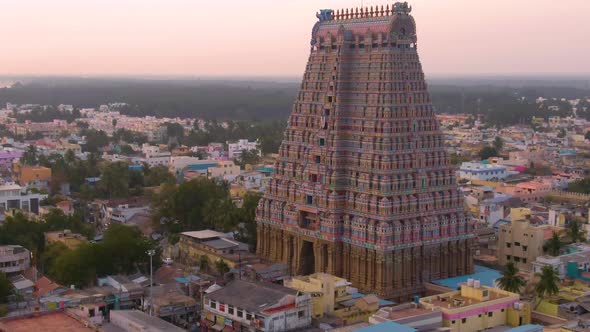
(398, 274)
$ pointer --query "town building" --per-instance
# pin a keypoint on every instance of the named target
(14, 259)
(477, 308)
(255, 306)
(13, 196)
(66, 237)
(326, 290)
(411, 315)
(137, 321)
(235, 150)
(481, 171)
(215, 246)
(363, 187)
(521, 242)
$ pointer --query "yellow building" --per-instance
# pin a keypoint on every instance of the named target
(330, 297)
(476, 308)
(26, 175)
(521, 243)
(520, 213)
(69, 239)
(326, 291)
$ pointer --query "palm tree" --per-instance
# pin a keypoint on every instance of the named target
(548, 282)
(575, 233)
(510, 280)
(553, 246)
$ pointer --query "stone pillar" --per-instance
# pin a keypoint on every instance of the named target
(362, 266)
(317, 255)
(346, 269)
(260, 240)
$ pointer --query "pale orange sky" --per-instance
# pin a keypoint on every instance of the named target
(271, 37)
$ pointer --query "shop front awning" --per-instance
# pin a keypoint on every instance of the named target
(218, 327)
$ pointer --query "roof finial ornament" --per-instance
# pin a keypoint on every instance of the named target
(381, 11)
(356, 12)
(372, 13)
(402, 8)
(362, 13)
(387, 10)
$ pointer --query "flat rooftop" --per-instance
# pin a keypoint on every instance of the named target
(458, 301)
(485, 275)
(205, 234)
(52, 322)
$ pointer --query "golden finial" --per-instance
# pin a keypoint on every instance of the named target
(337, 16)
(356, 12)
(381, 12)
(362, 13)
(387, 10)
(372, 13)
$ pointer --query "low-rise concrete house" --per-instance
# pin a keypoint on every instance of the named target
(255, 306)
(476, 308)
(215, 246)
(14, 259)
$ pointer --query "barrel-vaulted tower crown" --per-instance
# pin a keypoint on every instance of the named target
(393, 23)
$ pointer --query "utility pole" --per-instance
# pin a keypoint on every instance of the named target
(151, 253)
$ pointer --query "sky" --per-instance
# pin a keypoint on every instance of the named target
(271, 37)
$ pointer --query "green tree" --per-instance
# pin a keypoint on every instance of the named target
(510, 280)
(51, 254)
(498, 143)
(580, 186)
(248, 157)
(247, 219)
(185, 207)
(114, 180)
(6, 288)
(553, 246)
(548, 282)
(95, 139)
(487, 152)
(221, 267)
(574, 232)
(158, 175)
(30, 156)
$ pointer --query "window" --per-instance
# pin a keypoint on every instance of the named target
(517, 244)
(502, 310)
(490, 314)
(524, 248)
(524, 260)
(322, 141)
(300, 314)
(517, 259)
(464, 320)
(309, 199)
(213, 304)
(248, 316)
(317, 159)
(508, 244)
(327, 112)
(484, 293)
(230, 309)
(452, 322)
(240, 313)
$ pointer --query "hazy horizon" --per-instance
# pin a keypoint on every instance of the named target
(264, 38)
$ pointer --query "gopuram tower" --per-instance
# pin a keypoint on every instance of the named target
(363, 187)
